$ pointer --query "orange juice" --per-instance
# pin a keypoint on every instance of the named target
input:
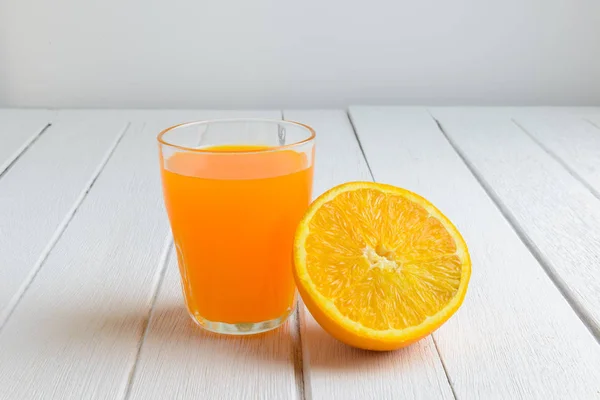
(233, 213)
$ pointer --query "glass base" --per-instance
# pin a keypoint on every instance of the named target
(241, 328)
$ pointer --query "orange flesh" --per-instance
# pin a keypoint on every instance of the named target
(382, 260)
(233, 218)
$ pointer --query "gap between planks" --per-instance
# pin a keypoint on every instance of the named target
(558, 159)
(10, 162)
(360, 146)
(12, 305)
(589, 121)
(298, 348)
(349, 116)
(533, 249)
(160, 275)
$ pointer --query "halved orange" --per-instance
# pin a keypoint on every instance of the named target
(379, 267)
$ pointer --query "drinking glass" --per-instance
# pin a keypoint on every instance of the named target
(235, 190)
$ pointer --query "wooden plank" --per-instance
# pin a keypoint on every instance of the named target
(179, 360)
(18, 130)
(76, 332)
(558, 215)
(333, 370)
(572, 141)
(40, 193)
(515, 336)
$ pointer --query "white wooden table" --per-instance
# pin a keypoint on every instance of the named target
(90, 305)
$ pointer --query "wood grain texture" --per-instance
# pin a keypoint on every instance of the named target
(40, 193)
(18, 129)
(558, 215)
(333, 370)
(572, 141)
(515, 337)
(178, 360)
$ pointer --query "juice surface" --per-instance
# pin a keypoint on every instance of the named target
(233, 217)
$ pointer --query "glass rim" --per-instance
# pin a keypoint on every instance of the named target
(311, 136)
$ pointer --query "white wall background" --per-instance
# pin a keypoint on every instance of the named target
(302, 53)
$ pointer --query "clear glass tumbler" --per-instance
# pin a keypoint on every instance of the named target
(235, 190)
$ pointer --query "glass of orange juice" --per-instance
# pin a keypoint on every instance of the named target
(235, 190)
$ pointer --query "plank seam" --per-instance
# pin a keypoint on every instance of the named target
(305, 361)
(533, 249)
(437, 349)
(298, 349)
(559, 160)
(160, 275)
(360, 146)
(12, 305)
(19, 153)
(299, 357)
(589, 121)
